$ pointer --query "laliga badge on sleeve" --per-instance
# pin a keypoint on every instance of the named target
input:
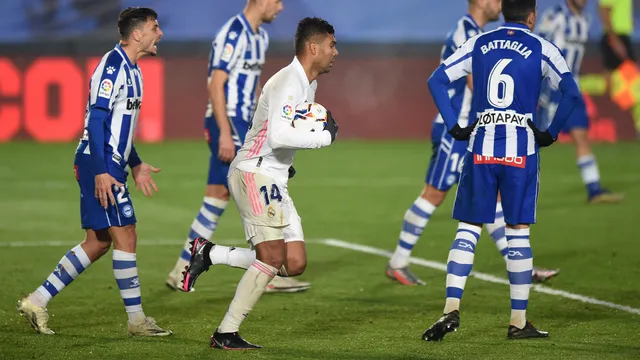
(106, 86)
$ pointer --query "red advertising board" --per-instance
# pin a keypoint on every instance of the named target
(372, 98)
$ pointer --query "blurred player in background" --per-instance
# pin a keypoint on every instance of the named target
(104, 152)
(567, 28)
(448, 154)
(508, 66)
(258, 179)
(235, 64)
(616, 44)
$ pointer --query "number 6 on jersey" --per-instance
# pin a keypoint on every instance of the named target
(497, 78)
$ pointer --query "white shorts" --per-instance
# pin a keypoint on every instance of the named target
(265, 207)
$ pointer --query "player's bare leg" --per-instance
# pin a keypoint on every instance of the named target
(34, 306)
(216, 200)
(125, 271)
(519, 269)
(295, 264)
(459, 264)
(204, 225)
(271, 257)
(416, 219)
(589, 169)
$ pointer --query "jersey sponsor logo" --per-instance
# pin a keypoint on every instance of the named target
(508, 117)
(515, 161)
(134, 104)
(227, 52)
(106, 86)
(248, 66)
(506, 45)
(287, 111)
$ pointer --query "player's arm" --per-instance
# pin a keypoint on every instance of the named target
(555, 68)
(452, 69)
(226, 52)
(607, 26)
(280, 133)
(105, 88)
(106, 83)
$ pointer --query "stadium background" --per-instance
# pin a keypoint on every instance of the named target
(352, 197)
(49, 48)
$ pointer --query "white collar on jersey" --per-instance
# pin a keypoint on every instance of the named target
(301, 74)
(515, 26)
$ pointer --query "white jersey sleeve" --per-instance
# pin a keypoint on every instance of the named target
(282, 103)
(553, 64)
(107, 82)
(459, 64)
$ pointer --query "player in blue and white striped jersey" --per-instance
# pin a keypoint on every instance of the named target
(448, 153)
(567, 26)
(446, 160)
(508, 67)
(105, 151)
(235, 65)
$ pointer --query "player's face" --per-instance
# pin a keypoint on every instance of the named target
(492, 9)
(326, 53)
(579, 4)
(150, 37)
(271, 9)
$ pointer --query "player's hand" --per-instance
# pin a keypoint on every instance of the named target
(226, 148)
(142, 177)
(543, 138)
(104, 189)
(331, 126)
(292, 172)
(462, 134)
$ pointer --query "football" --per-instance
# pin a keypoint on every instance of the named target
(310, 116)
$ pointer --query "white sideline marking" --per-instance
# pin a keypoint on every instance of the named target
(486, 277)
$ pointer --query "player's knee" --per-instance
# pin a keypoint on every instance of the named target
(271, 253)
(96, 243)
(296, 266)
(433, 195)
(218, 191)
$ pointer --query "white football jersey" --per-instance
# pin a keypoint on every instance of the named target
(271, 141)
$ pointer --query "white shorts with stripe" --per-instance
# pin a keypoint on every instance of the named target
(265, 207)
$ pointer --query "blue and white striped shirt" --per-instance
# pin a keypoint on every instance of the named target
(115, 86)
(508, 66)
(240, 52)
(568, 31)
(460, 94)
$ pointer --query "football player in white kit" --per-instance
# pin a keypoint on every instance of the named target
(258, 179)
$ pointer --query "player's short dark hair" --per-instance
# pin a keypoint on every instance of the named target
(133, 17)
(517, 10)
(308, 28)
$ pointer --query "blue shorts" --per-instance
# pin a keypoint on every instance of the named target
(446, 163)
(218, 169)
(578, 119)
(517, 180)
(92, 215)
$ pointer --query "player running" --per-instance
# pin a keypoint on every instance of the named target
(104, 152)
(567, 27)
(258, 179)
(235, 64)
(446, 161)
(509, 65)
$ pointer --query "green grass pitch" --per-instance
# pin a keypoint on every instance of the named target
(353, 191)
